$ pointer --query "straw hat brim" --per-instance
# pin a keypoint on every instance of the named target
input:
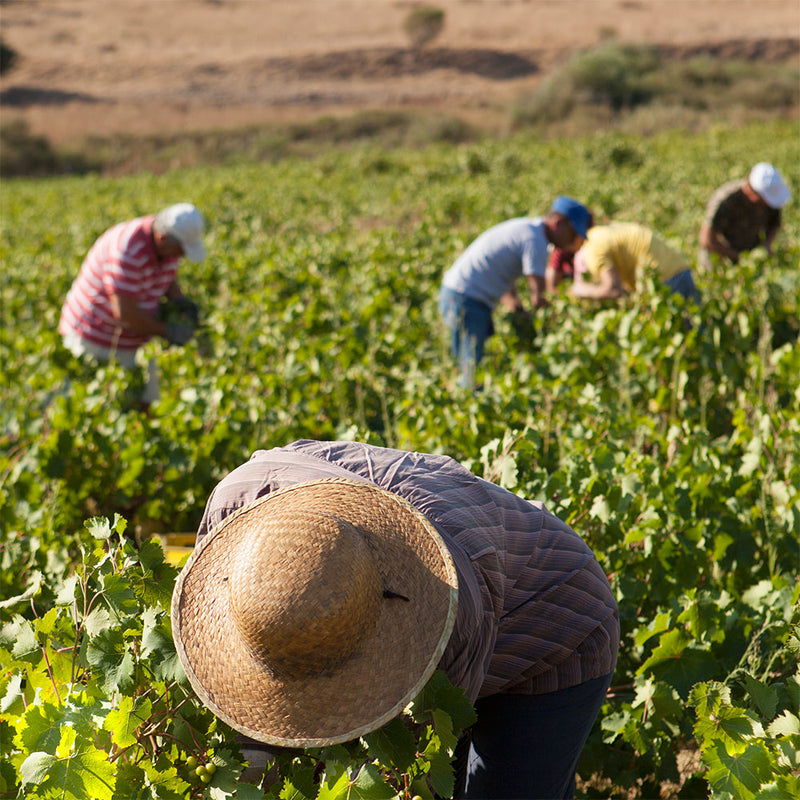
(391, 664)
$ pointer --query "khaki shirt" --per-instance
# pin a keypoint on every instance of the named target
(742, 223)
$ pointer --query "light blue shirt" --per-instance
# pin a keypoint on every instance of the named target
(494, 262)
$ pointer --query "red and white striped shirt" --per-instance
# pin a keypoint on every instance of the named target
(123, 261)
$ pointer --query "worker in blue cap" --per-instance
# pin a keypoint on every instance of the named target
(486, 274)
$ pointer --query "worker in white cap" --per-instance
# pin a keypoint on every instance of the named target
(743, 215)
(113, 306)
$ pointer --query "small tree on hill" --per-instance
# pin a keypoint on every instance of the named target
(7, 56)
(423, 24)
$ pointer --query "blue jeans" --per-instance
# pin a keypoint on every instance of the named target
(683, 284)
(528, 746)
(470, 324)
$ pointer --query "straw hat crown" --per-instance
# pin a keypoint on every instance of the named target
(304, 592)
(315, 613)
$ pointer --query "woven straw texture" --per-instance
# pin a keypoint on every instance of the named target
(281, 619)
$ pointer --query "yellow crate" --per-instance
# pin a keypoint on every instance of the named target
(177, 546)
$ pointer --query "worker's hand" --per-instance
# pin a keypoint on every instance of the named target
(523, 325)
(188, 309)
(178, 334)
(540, 302)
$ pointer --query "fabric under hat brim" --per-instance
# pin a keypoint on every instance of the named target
(575, 212)
(193, 250)
(769, 185)
(390, 667)
(776, 196)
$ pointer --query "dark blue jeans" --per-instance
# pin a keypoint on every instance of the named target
(683, 283)
(470, 324)
(526, 747)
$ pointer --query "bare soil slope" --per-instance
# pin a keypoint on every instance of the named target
(143, 66)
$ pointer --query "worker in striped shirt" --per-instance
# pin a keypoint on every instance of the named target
(112, 307)
(533, 631)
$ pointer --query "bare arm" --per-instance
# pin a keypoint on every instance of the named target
(711, 240)
(609, 286)
(772, 232)
(511, 302)
(537, 288)
(552, 279)
(132, 318)
(174, 291)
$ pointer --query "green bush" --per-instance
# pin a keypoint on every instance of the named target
(625, 78)
(22, 153)
(8, 57)
(423, 24)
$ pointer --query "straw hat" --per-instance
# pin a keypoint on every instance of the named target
(315, 614)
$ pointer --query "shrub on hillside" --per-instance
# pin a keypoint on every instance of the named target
(423, 24)
(23, 153)
(615, 78)
(611, 75)
(8, 55)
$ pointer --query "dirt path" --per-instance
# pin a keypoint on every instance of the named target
(95, 67)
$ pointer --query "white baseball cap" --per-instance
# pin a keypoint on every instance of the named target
(185, 222)
(767, 182)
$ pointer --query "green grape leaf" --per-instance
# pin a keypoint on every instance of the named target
(784, 787)
(7, 734)
(32, 590)
(678, 662)
(392, 744)
(339, 790)
(226, 778)
(99, 527)
(300, 785)
(440, 775)
(439, 693)
(66, 594)
(35, 768)
(731, 725)
(764, 698)
(159, 579)
(164, 784)
(369, 785)
(124, 720)
(66, 743)
(26, 647)
(443, 726)
(740, 774)
(108, 654)
(785, 724)
(9, 779)
(159, 647)
(12, 701)
(709, 697)
(118, 596)
(247, 791)
(129, 780)
(600, 509)
(39, 728)
(85, 773)
(96, 621)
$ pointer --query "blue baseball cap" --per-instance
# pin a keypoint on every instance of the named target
(575, 212)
